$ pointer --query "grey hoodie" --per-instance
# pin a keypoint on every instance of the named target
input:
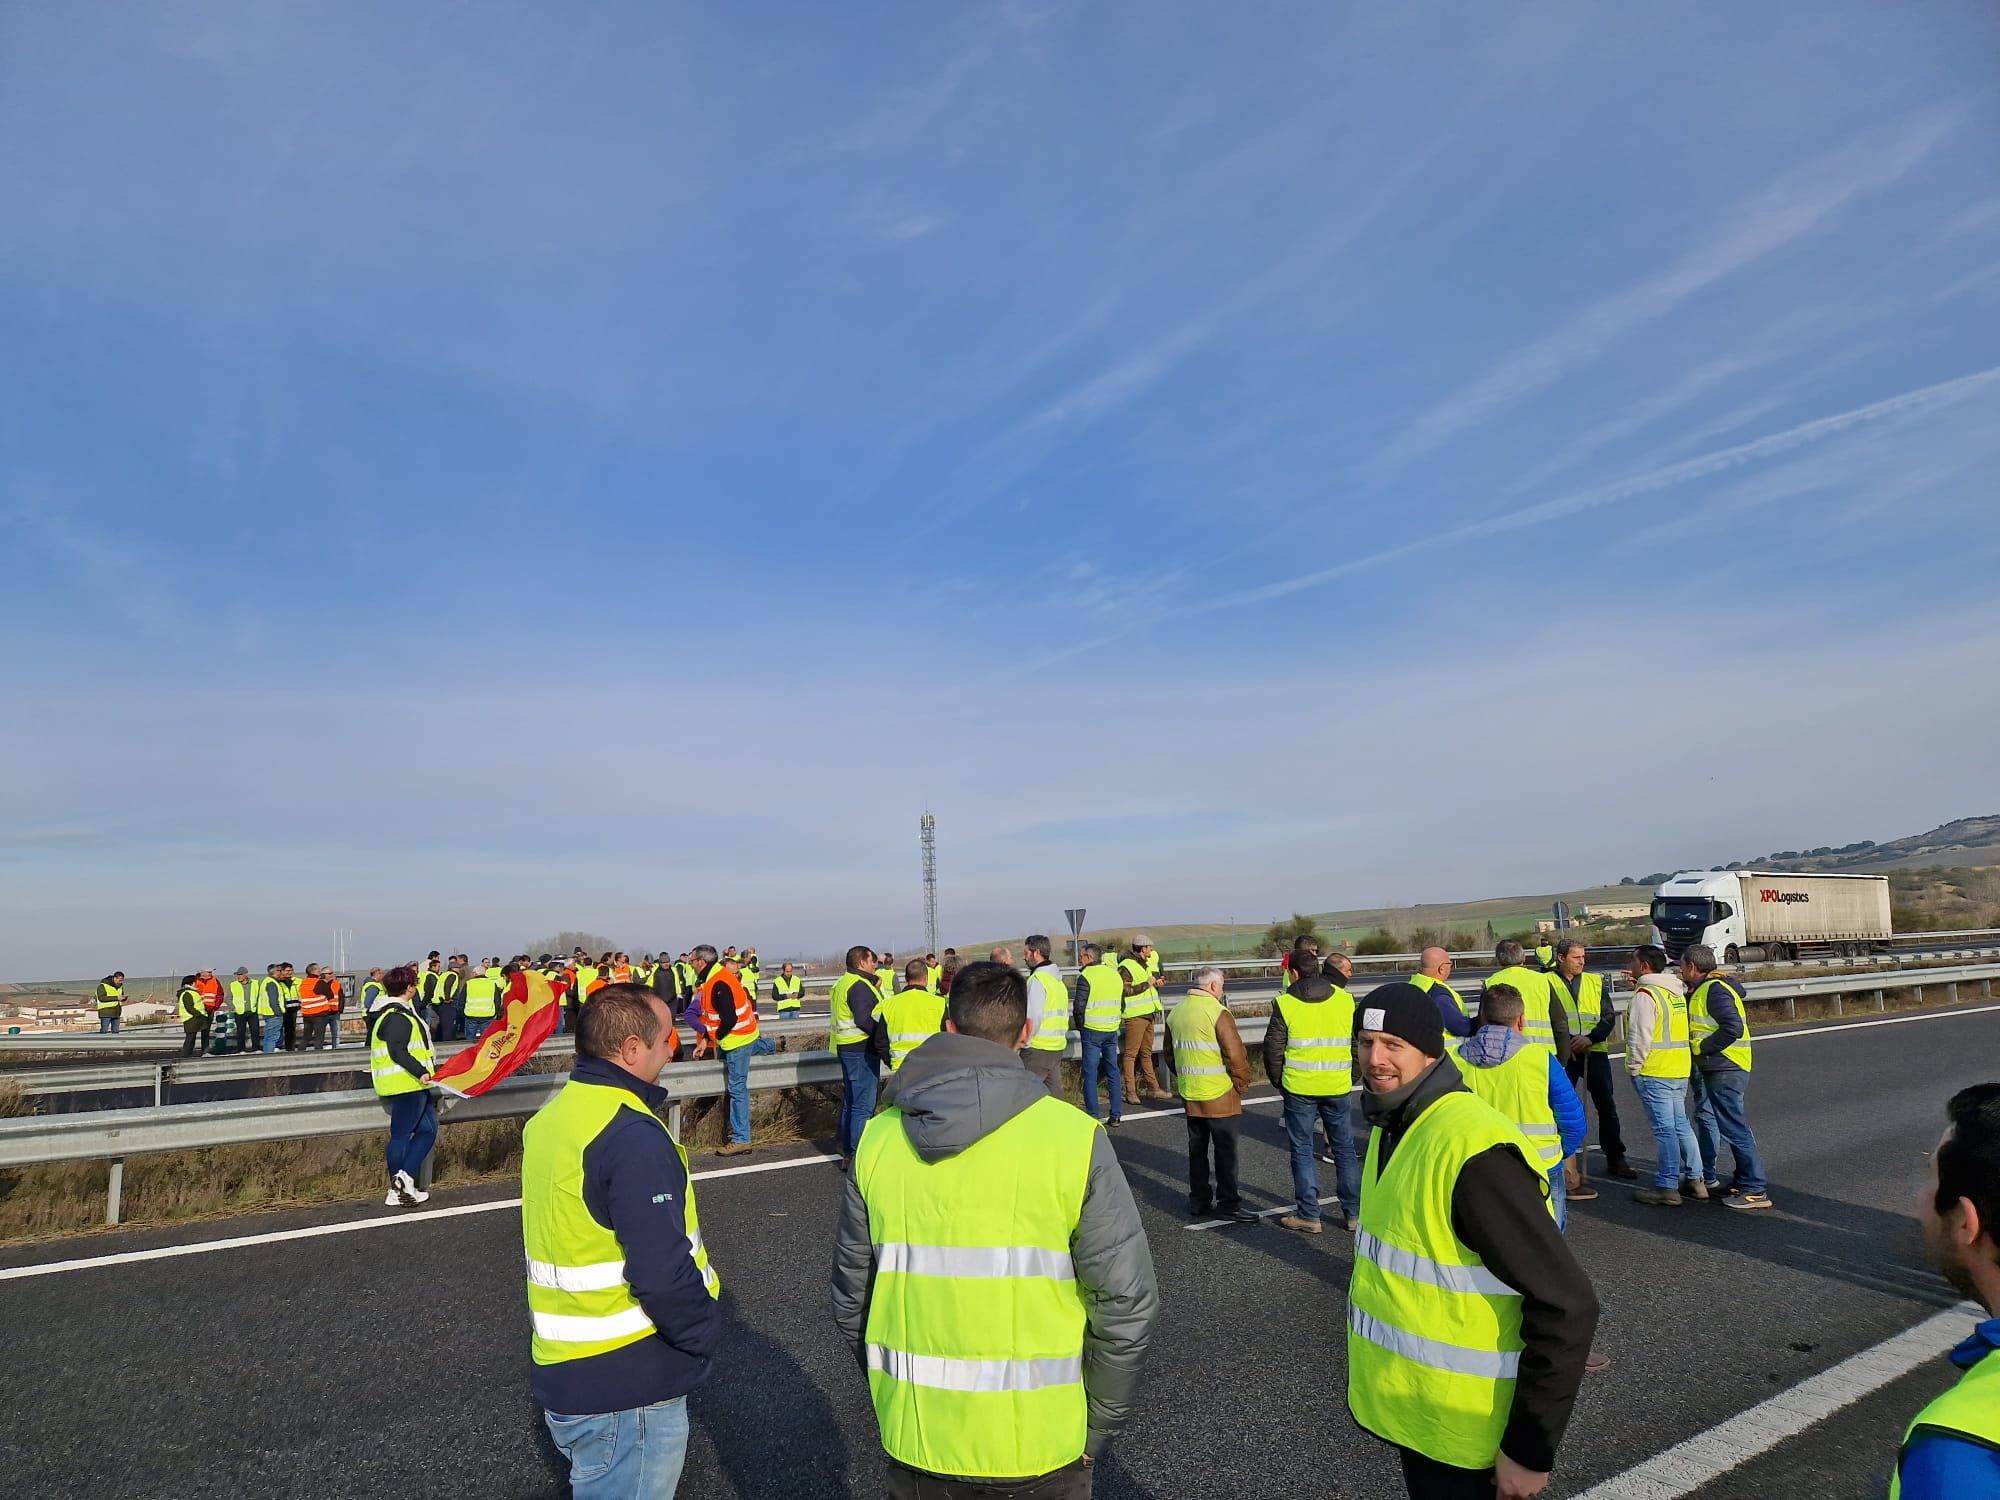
(956, 1090)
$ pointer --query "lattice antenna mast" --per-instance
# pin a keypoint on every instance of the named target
(927, 834)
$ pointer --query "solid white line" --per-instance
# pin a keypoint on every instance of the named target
(352, 1226)
(1688, 1466)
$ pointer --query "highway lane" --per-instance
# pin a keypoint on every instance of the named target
(351, 1363)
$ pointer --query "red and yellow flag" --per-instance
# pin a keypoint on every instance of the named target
(524, 1023)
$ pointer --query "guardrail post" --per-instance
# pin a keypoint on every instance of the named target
(115, 1200)
(674, 1119)
(1882, 1004)
(1951, 992)
(160, 1084)
(1836, 1003)
(1791, 1008)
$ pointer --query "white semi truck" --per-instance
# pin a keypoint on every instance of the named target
(1766, 915)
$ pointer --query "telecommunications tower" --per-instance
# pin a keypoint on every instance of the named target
(927, 835)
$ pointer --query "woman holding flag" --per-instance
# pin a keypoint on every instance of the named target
(399, 1062)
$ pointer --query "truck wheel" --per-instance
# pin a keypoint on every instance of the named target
(1732, 955)
(1776, 952)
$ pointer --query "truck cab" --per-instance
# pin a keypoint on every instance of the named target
(1702, 906)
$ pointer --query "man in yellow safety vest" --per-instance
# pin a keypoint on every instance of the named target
(1951, 1449)
(1468, 1320)
(1656, 1058)
(1002, 1362)
(1211, 1072)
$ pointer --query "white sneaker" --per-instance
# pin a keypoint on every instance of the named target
(394, 1200)
(407, 1186)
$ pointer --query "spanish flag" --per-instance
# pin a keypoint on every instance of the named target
(524, 1023)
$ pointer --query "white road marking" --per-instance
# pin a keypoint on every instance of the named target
(352, 1226)
(428, 1215)
(1688, 1466)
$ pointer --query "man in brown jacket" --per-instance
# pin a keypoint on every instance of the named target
(1211, 1072)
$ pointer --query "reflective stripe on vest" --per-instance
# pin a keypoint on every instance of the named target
(389, 1076)
(844, 1032)
(110, 996)
(1701, 1024)
(743, 1028)
(1103, 997)
(1199, 1073)
(188, 1004)
(482, 998)
(579, 1302)
(1535, 1000)
(1668, 1056)
(913, 1018)
(240, 995)
(1519, 1089)
(1147, 1001)
(975, 1348)
(1319, 1044)
(1433, 1336)
(1051, 1018)
(1583, 1004)
(1969, 1410)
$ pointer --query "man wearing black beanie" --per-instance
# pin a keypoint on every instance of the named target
(1468, 1319)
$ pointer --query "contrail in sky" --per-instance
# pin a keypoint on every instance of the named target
(1927, 398)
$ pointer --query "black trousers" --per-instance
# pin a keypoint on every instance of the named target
(249, 1032)
(1069, 1483)
(1427, 1479)
(194, 1039)
(1596, 1072)
(290, 1040)
(1219, 1133)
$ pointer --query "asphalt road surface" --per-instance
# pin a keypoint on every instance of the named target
(390, 1359)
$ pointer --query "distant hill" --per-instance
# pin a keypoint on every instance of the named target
(1964, 842)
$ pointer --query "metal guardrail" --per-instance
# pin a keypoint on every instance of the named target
(112, 1135)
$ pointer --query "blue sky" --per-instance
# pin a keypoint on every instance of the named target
(468, 472)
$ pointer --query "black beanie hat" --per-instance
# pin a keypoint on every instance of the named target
(1402, 1010)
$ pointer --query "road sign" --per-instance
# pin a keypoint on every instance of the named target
(1562, 916)
(1075, 915)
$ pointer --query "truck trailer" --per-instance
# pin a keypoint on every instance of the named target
(1761, 916)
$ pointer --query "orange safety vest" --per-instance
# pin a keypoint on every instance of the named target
(745, 1029)
(211, 993)
(313, 999)
(621, 973)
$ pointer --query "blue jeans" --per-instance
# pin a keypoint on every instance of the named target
(736, 1074)
(857, 1098)
(274, 1032)
(1559, 1196)
(1665, 1103)
(1100, 1051)
(1302, 1113)
(1718, 1107)
(107, 1023)
(413, 1128)
(624, 1455)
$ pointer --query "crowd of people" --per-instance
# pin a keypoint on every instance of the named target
(991, 1272)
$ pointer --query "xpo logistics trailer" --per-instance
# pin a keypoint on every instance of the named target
(1766, 915)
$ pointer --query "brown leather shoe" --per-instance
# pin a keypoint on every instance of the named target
(734, 1148)
(1303, 1226)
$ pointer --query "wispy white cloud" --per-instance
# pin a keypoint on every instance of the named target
(1791, 208)
(1908, 404)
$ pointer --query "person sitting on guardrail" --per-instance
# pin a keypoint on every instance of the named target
(1719, 1028)
(1951, 1450)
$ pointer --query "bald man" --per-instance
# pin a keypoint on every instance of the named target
(1433, 977)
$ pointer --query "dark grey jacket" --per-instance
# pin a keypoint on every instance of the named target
(953, 1091)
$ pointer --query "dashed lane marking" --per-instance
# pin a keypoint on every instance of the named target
(1686, 1467)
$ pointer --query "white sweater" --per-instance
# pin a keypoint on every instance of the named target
(1642, 1017)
